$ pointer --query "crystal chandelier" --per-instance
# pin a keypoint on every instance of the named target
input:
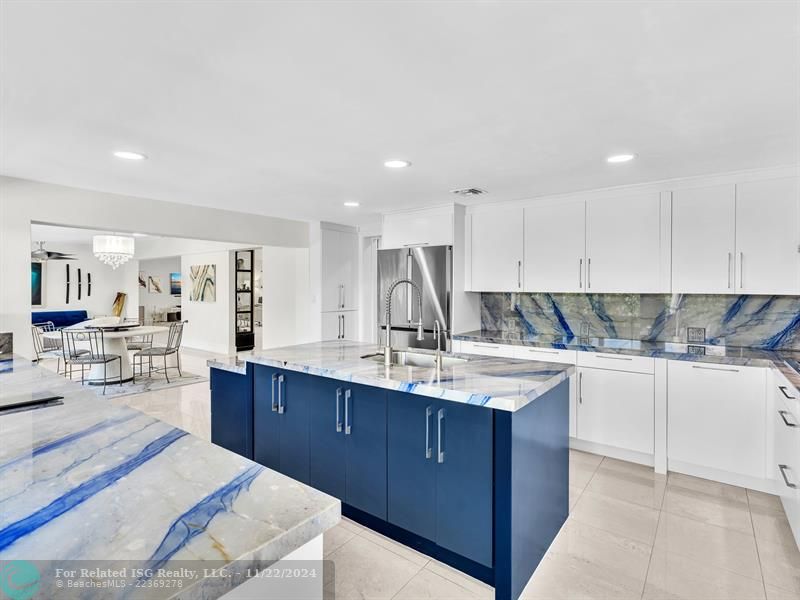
(113, 250)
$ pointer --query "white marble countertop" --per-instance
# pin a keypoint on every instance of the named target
(497, 383)
(89, 480)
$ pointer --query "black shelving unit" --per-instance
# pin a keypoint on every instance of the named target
(245, 334)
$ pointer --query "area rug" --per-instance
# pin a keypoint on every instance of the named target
(144, 384)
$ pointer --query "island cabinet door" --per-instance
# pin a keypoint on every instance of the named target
(411, 463)
(463, 452)
(327, 441)
(266, 422)
(232, 411)
(365, 434)
(295, 391)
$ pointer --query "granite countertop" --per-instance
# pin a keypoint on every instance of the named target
(90, 480)
(787, 362)
(497, 383)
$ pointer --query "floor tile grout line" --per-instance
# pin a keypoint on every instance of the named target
(402, 587)
(427, 558)
(755, 541)
(653, 547)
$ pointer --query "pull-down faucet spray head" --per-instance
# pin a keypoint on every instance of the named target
(387, 349)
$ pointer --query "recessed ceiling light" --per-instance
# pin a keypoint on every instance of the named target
(139, 234)
(128, 155)
(351, 204)
(620, 158)
(397, 164)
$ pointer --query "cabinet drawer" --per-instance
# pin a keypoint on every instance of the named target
(786, 393)
(487, 349)
(546, 354)
(617, 362)
(786, 469)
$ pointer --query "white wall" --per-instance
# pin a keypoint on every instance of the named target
(210, 324)
(106, 282)
(158, 267)
(23, 201)
(287, 298)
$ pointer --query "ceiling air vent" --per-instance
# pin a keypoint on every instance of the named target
(468, 192)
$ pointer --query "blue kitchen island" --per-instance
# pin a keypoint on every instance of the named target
(468, 463)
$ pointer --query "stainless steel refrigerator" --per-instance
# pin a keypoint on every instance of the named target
(431, 268)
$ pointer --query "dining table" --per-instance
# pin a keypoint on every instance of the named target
(115, 342)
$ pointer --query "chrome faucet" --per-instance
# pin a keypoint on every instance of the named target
(437, 333)
(387, 349)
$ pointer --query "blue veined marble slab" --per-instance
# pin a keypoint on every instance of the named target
(499, 383)
(90, 481)
(765, 322)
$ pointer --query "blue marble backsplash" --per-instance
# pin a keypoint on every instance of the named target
(769, 322)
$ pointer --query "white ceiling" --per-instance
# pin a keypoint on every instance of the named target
(290, 108)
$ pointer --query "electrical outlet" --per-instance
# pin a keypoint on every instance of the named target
(696, 334)
(699, 350)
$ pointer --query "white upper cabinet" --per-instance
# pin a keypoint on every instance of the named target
(339, 269)
(624, 245)
(429, 227)
(703, 240)
(768, 236)
(555, 247)
(496, 236)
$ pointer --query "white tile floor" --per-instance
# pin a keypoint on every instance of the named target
(631, 534)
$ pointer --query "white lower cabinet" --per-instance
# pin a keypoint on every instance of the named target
(340, 325)
(716, 421)
(557, 356)
(616, 408)
(786, 430)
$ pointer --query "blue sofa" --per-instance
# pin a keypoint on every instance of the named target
(60, 318)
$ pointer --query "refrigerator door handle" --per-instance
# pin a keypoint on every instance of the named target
(409, 289)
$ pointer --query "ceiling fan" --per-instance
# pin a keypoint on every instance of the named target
(41, 255)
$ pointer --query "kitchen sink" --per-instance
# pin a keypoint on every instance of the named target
(406, 358)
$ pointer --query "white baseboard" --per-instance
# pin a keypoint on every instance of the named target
(745, 481)
(612, 452)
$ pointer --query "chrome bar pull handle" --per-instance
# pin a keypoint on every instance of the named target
(519, 274)
(274, 404)
(281, 399)
(347, 427)
(440, 419)
(788, 423)
(580, 388)
(428, 447)
(741, 270)
(338, 410)
(588, 273)
(580, 274)
(410, 291)
(782, 388)
(342, 295)
(342, 326)
(783, 469)
(730, 257)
